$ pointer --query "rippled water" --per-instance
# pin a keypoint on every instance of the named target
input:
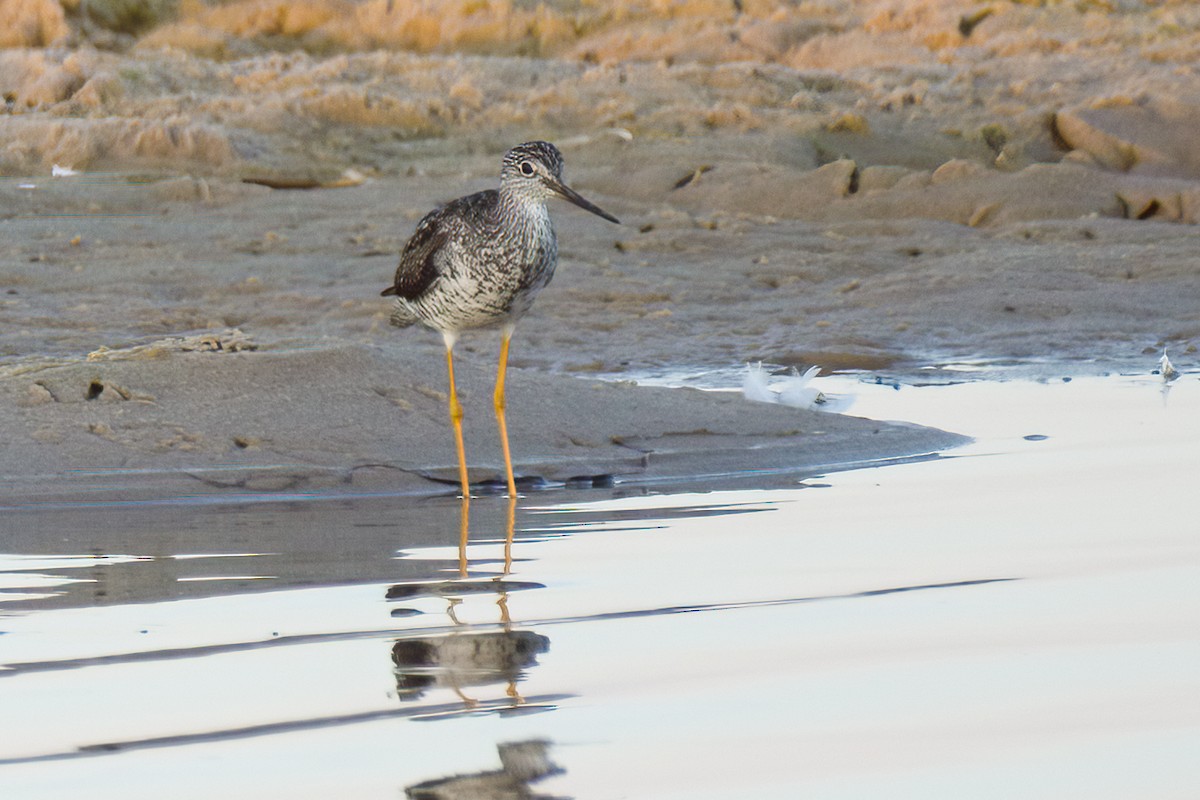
(1016, 618)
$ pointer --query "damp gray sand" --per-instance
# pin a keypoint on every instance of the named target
(353, 419)
(217, 333)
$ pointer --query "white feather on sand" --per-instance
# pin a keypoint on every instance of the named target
(791, 390)
(1166, 369)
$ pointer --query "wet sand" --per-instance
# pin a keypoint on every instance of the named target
(163, 421)
(247, 333)
(242, 345)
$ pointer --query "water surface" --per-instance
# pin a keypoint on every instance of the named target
(1015, 618)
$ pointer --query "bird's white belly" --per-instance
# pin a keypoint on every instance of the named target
(463, 301)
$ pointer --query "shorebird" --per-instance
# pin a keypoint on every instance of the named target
(479, 262)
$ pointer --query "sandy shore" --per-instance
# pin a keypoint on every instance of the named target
(878, 186)
(364, 419)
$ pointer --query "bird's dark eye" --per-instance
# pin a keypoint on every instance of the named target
(526, 168)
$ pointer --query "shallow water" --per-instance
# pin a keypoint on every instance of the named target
(1016, 618)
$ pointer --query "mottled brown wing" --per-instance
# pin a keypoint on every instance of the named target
(417, 270)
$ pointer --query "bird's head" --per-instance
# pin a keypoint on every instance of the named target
(534, 169)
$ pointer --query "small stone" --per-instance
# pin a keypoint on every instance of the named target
(37, 395)
(101, 429)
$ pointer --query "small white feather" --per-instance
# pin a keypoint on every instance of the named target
(1166, 368)
(754, 385)
(795, 390)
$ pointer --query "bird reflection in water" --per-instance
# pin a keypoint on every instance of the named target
(464, 660)
(468, 657)
(521, 764)
(464, 534)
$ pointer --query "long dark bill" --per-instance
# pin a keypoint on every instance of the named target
(567, 193)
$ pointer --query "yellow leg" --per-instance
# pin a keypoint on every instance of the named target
(456, 417)
(500, 405)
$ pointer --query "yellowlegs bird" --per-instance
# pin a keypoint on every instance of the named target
(479, 262)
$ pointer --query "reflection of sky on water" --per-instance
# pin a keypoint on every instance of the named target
(723, 644)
